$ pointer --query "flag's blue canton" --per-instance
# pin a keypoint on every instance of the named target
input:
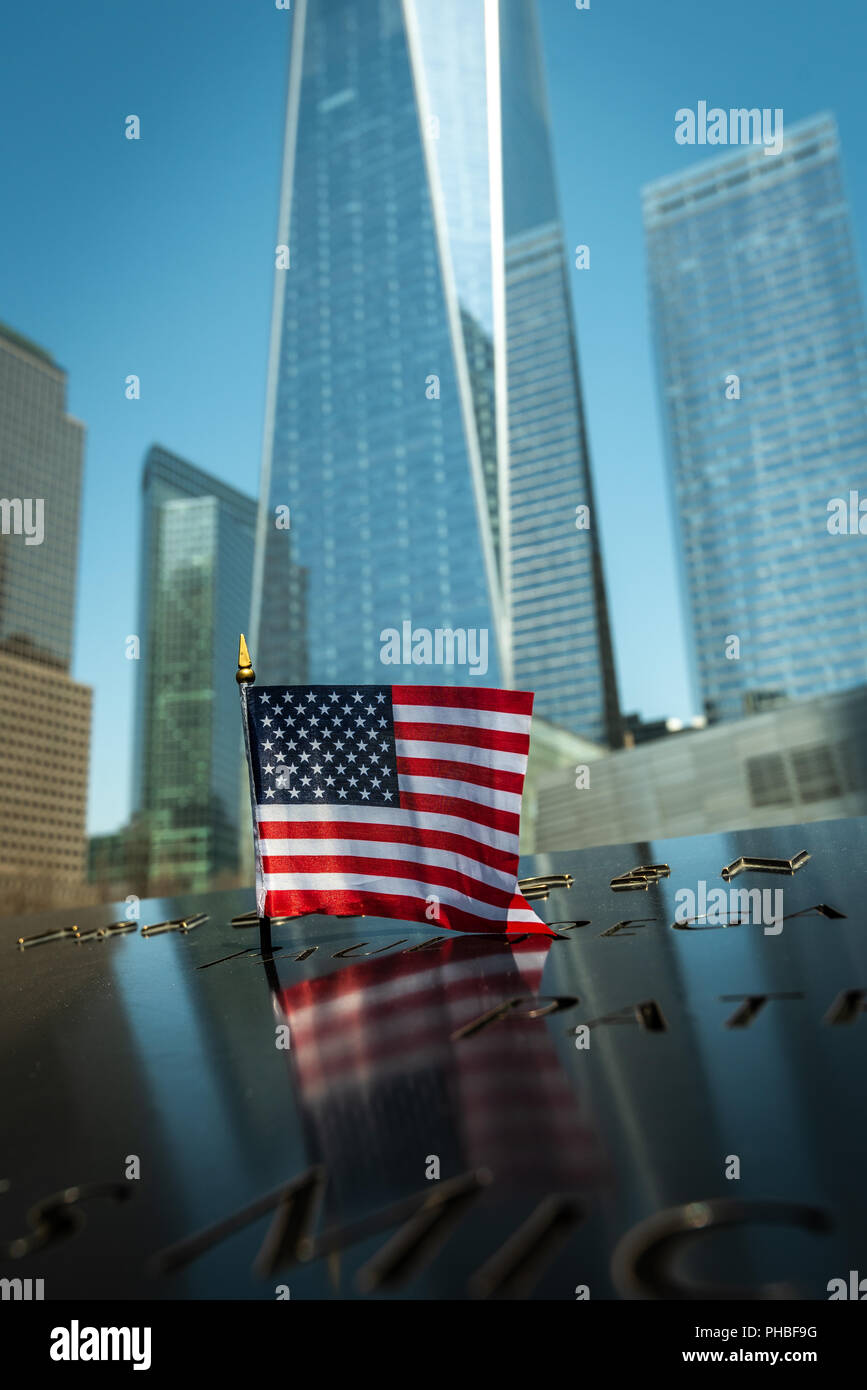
(323, 745)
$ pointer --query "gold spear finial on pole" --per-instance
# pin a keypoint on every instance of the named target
(245, 673)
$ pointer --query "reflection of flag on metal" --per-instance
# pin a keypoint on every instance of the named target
(385, 1075)
(390, 801)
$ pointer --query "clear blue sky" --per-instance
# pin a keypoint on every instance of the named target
(155, 257)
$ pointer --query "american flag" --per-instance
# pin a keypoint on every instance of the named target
(390, 801)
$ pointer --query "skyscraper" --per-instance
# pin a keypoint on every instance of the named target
(42, 452)
(421, 335)
(45, 716)
(763, 366)
(560, 633)
(196, 563)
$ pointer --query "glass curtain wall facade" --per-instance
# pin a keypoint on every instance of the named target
(371, 437)
(41, 461)
(763, 369)
(196, 572)
(388, 423)
(561, 639)
(44, 715)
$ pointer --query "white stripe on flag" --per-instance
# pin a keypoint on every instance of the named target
(388, 815)
(468, 718)
(391, 849)
(462, 753)
(469, 791)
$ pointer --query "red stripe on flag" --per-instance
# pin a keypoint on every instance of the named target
(295, 903)
(509, 821)
(462, 772)
(387, 834)
(458, 733)
(464, 697)
(424, 874)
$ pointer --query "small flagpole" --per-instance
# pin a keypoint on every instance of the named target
(245, 675)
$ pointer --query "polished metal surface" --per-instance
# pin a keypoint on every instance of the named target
(584, 1102)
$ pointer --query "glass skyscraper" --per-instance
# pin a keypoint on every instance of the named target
(763, 365)
(41, 457)
(559, 618)
(421, 338)
(44, 715)
(195, 575)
